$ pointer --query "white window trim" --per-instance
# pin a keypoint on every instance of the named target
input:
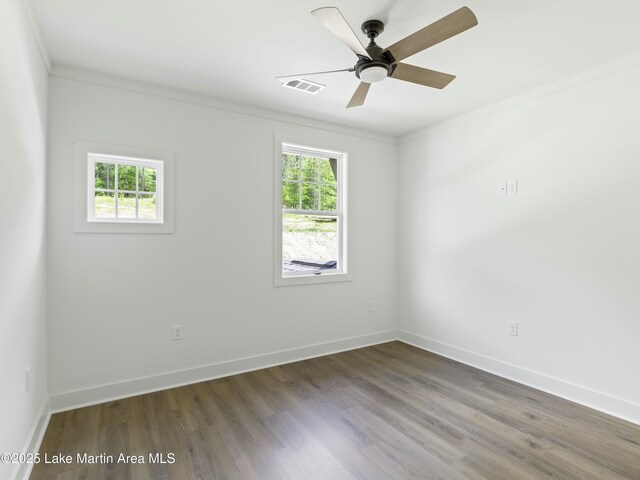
(83, 192)
(93, 158)
(304, 278)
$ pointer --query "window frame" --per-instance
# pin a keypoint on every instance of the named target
(96, 157)
(304, 147)
(81, 149)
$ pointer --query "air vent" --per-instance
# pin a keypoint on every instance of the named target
(303, 85)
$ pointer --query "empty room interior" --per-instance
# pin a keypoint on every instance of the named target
(265, 240)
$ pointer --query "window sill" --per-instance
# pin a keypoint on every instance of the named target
(311, 279)
(126, 221)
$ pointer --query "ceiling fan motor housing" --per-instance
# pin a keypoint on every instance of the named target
(378, 66)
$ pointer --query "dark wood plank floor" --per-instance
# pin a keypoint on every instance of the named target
(385, 412)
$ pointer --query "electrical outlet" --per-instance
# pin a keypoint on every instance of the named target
(371, 306)
(176, 332)
(509, 188)
(512, 328)
(27, 379)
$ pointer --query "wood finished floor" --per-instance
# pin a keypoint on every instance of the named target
(389, 412)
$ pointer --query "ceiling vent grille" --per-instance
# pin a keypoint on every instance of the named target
(303, 85)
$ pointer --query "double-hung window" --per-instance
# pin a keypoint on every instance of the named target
(313, 227)
(124, 189)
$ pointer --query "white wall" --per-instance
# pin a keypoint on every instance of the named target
(23, 102)
(561, 258)
(114, 297)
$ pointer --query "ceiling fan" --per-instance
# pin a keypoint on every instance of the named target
(376, 63)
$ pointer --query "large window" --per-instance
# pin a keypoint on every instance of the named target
(313, 212)
(124, 189)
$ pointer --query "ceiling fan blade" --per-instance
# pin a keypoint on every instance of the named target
(421, 76)
(331, 18)
(360, 95)
(453, 24)
(315, 73)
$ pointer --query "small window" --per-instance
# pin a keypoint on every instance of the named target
(124, 189)
(313, 211)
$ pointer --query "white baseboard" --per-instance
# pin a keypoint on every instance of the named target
(34, 440)
(588, 397)
(138, 386)
(617, 407)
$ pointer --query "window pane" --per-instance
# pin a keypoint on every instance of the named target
(105, 174)
(147, 207)
(126, 177)
(309, 167)
(310, 196)
(328, 197)
(309, 243)
(105, 205)
(290, 167)
(290, 195)
(328, 170)
(147, 179)
(126, 204)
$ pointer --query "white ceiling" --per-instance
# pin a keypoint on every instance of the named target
(234, 49)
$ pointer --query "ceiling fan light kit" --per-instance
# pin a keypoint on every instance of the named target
(372, 73)
(376, 63)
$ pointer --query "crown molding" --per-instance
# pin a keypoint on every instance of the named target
(572, 81)
(37, 35)
(154, 90)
